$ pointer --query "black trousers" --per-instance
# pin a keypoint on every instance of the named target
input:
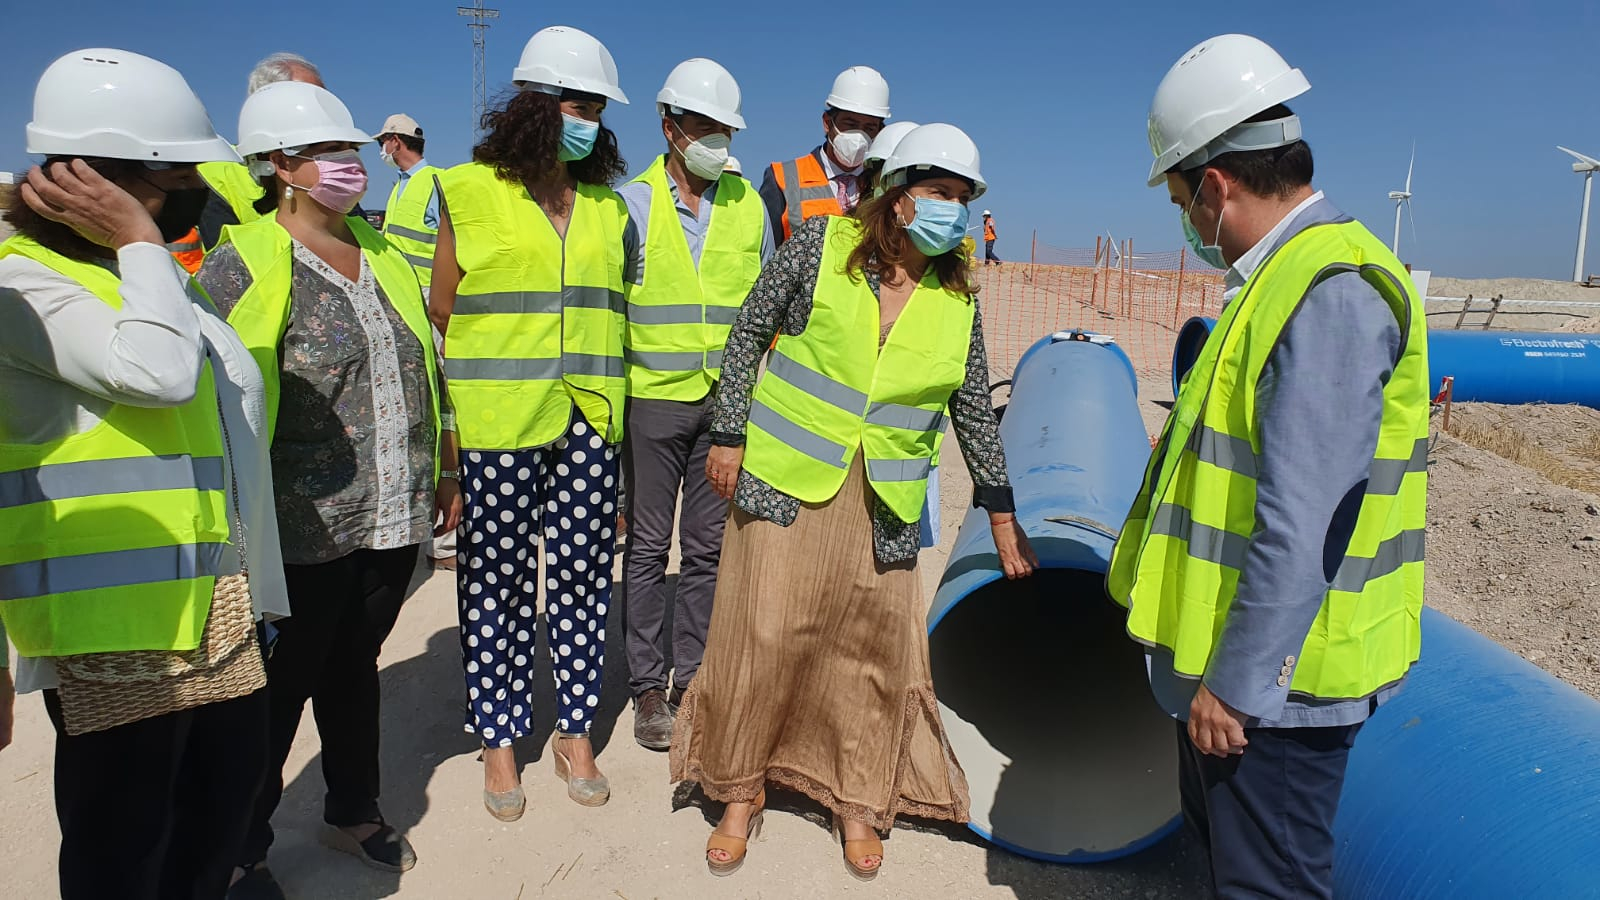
(327, 652)
(1265, 817)
(158, 808)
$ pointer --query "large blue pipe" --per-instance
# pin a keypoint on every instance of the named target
(1481, 779)
(1045, 699)
(1488, 366)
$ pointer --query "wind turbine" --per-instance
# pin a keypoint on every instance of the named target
(1587, 165)
(1403, 199)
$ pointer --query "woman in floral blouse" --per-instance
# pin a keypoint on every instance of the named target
(816, 674)
(336, 320)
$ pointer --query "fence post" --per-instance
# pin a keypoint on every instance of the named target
(1130, 281)
(1094, 274)
(1033, 251)
(1177, 306)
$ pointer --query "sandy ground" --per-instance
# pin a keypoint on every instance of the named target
(647, 843)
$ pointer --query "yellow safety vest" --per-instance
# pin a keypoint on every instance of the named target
(538, 322)
(830, 390)
(403, 221)
(1176, 565)
(112, 539)
(261, 316)
(678, 320)
(235, 185)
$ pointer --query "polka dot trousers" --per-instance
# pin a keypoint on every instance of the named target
(569, 492)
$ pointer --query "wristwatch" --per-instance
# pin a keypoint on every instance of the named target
(452, 474)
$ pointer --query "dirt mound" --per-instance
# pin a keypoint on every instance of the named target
(1561, 442)
(1589, 325)
(1516, 556)
(1512, 289)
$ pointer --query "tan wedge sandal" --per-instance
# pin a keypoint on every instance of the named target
(735, 847)
(857, 852)
(582, 791)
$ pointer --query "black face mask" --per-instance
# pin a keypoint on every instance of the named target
(181, 212)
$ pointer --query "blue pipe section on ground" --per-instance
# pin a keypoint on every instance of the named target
(1480, 779)
(1041, 785)
(1488, 366)
(1517, 367)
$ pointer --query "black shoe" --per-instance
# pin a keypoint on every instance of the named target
(386, 849)
(257, 884)
(652, 720)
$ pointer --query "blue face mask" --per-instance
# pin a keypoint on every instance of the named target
(939, 225)
(1210, 254)
(577, 138)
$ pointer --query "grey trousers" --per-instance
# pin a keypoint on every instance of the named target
(664, 449)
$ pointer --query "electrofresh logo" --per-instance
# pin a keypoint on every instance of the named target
(1543, 344)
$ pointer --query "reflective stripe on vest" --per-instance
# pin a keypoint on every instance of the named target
(261, 317)
(1178, 561)
(538, 322)
(682, 312)
(189, 251)
(404, 221)
(807, 192)
(111, 539)
(830, 391)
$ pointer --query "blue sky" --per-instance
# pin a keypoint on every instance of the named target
(1055, 96)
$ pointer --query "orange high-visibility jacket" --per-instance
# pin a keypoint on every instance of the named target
(806, 192)
(188, 251)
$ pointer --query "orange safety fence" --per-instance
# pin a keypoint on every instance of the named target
(1141, 299)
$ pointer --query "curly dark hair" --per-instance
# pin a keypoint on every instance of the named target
(53, 235)
(883, 246)
(523, 135)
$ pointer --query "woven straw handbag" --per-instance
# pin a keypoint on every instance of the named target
(99, 691)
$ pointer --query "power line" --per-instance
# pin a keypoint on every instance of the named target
(480, 89)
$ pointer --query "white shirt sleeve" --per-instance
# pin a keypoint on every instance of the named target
(148, 353)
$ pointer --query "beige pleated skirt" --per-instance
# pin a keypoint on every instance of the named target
(816, 675)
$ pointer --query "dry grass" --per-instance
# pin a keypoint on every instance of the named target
(1515, 446)
(1589, 448)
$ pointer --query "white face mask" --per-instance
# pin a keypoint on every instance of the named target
(388, 159)
(706, 157)
(851, 147)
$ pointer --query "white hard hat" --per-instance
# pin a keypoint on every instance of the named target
(732, 166)
(120, 105)
(986, 212)
(702, 86)
(888, 139)
(562, 57)
(1200, 107)
(860, 89)
(294, 114)
(938, 145)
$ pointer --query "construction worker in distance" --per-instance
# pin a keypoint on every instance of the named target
(411, 218)
(705, 236)
(827, 181)
(1272, 562)
(989, 236)
(732, 167)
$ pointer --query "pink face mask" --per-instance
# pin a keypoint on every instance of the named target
(341, 180)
